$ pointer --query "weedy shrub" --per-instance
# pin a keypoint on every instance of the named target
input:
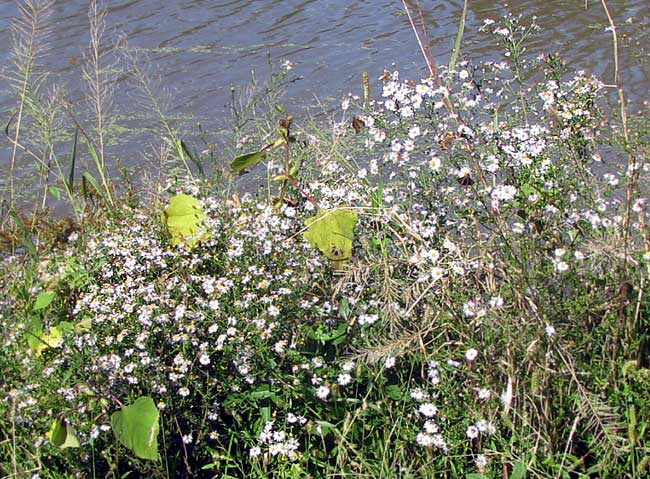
(467, 301)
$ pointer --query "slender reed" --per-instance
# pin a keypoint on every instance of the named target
(29, 31)
(99, 84)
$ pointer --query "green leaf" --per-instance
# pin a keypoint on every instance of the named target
(394, 392)
(62, 435)
(459, 39)
(136, 426)
(324, 333)
(326, 427)
(55, 192)
(43, 300)
(519, 471)
(332, 233)
(475, 475)
(248, 160)
(73, 159)
(93, 182)
(27, 241)
(57, 432)
(34, 332)
(185, 219)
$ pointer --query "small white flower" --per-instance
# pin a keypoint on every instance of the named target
(484, 394)
(254, 451)
(344, 379)
(437, 273)
(347, 366)
(389, 362)
(481, 462)
(433, 255)
(431, 427)
(496, 301)
(184, 392)
(471, 354)
(428, 409)
(561, 266)
(424, 439)
(187, 439)
(472, 432)
(550, 330)
(204, 359)
(322, 392)
(418, 394)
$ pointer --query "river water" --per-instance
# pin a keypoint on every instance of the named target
(196, 50)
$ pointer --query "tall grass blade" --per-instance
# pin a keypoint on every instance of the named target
(26, 238)
(459, 39)
(8, 126)
(73, 159)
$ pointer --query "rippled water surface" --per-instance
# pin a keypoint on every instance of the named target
(198, 49)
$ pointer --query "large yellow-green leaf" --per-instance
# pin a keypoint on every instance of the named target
(52, 339)
(185, 220)
(62, 435)
(332, 233)
(136, 426)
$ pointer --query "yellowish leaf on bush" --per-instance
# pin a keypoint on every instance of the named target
(185, 220)
(332, 233)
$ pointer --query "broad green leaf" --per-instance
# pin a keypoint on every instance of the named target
(62, 435)
(394, 392)
(34, 330)
(136, 426)
(57, 432)
(185, 219)
(332, 232)
(519, 471)
(43, 300)
(248, 160)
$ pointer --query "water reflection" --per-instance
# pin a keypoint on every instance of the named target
(200, 48)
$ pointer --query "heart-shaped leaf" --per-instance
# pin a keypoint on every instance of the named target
(332, 232)
(136, 426)
(185, 220)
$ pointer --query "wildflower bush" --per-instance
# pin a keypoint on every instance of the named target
(489, 321)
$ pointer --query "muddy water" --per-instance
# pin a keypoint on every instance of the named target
(197, 49)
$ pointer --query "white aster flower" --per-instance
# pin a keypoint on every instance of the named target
(322, 392)
(344, 379)
(428, 409)
(471, 354)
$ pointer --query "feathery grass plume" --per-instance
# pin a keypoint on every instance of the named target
(98, 73)
(29, 32)
(155, 99)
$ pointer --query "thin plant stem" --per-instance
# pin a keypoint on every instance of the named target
(631, 159)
